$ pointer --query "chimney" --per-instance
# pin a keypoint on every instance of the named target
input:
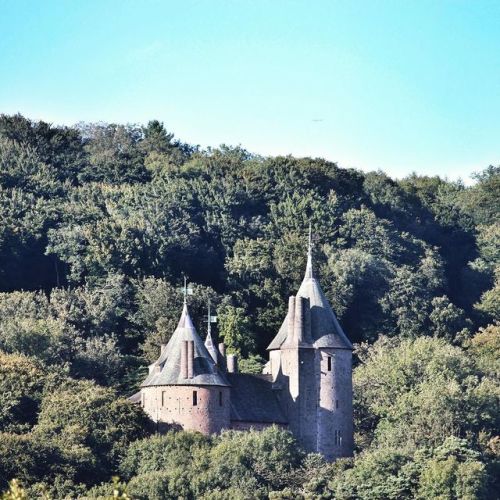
(298, 324)
(291, 318)
(222, 349)
(190, 359)
(184, 359)
(307, 321)
(232, 363)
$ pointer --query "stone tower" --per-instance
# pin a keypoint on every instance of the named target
(310, 360)
(185, 388)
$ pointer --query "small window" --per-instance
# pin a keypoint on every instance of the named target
(195, 398)
(329, 363)
(163, 398)
(220, 398)
(337, 403)
(337, 438)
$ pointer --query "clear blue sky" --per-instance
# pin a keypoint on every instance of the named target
(394, 85)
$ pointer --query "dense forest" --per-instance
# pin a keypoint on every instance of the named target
(101, 222)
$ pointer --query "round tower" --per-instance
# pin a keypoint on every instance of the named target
(185, 389)
(311, 359)
(335, 413)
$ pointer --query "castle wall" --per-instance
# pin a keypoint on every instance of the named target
(274, 362)
(334, 412)
(300, 394)
(308, 400)
(174, 405)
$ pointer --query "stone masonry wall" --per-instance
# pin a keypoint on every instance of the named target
(174, 405)
(334, 412)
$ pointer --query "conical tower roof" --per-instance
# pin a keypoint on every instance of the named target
(326, 331)
(167, 370)
(211, 347)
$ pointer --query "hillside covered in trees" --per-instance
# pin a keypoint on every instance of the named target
(101, 222)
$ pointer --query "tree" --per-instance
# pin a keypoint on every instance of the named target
(448, 321)
(22, 381)
(58, 147)
(426, 390)
(254, 461)
(357, 282)
(83, 416)
(114, 154)
(234, 330)
(484, 347)
(453, 472)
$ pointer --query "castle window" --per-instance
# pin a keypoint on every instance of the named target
(195, 398)
(337, 438)
(329, 363)
(337, 403)
(220, 398)
(163, 398)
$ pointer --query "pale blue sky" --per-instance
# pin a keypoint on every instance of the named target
(394, 85)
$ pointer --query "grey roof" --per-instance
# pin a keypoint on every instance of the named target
(211, 347)
(254, 400)
(167, 369)
(135, 398)
(325, 328)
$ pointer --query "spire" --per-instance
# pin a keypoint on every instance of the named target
(185, 320)
(209, 341)
(309, 267)
(185, 353)
(323, 328)
(209, 323)
(185, 292)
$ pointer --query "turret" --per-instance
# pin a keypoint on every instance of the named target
(186, 388)
(311, 359)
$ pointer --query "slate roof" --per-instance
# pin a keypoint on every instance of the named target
(167, 368)
(254, 400)
(211, 347)
(135, 398)
(325, 328)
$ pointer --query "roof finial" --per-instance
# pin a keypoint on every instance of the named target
(209, 341)
(210, 319)
(309, 268)
(209, 326)
(186, 290)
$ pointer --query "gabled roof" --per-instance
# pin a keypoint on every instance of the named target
(167, 369)
(325, 329)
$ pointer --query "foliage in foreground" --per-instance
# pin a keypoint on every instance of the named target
(426, 420)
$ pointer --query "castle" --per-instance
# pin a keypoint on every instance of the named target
(306, 385)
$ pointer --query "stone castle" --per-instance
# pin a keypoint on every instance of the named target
(306, 385)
